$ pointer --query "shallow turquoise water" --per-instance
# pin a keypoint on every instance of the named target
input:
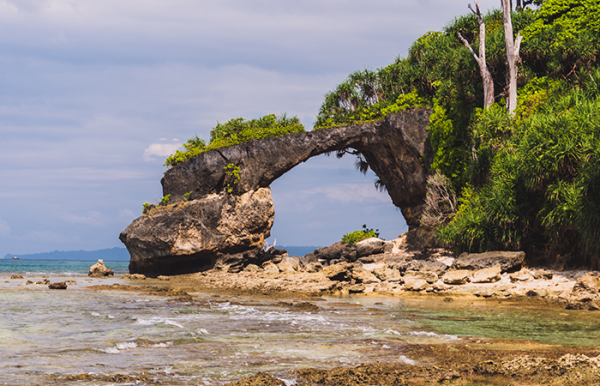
(57, 267)
(46, 335)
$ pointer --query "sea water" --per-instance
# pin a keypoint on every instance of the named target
(57, 267)
(47, 335)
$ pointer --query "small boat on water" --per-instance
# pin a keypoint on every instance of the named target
(15, 258)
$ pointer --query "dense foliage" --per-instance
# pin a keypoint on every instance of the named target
(525, 181)
(354, 237)
(236, 131)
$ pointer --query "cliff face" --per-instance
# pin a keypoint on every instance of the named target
(211, 224)
(191, 236)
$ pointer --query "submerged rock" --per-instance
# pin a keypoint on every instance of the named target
(100, 270)
(59, 285)
(137, 276)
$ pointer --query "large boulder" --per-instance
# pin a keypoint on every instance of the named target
(487, 275)
(508, 261)
(337, 251)
(100, 270)
(192, 236)
(370, 246)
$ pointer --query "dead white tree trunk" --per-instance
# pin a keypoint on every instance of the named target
(512, 55)
(488, 82)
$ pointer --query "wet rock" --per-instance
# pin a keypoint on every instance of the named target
(361, 275)
(475, 261)
(100, 270)
(485, 293)
(333, 252)
(192, 236)
(16, 276)
(269, 267)
(521, 276)
(427, 266)
(370, 246)
(413, 283)
(304, 261)
(313, 268)
(135, 276)
(542, 274)
(59, 285)
(590, 283)
(486, 275)
(440, 287)
(339, 272)
(287, 264)
(387, 273)
(429, 277)
(259, 379)
(460, 276)
(253, 268)
(356, 288)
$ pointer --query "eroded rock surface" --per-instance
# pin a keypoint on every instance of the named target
(100, 270)
(192, 236)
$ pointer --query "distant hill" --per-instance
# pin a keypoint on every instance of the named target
(121, 254)
(112, 254)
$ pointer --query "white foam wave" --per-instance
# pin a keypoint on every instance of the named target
(162, 345)
(110, 350)
(126, 345)
(406, 360)
(95, 314)
(153, 321)
(433, 335)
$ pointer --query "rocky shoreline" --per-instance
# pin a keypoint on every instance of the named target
(374, 267)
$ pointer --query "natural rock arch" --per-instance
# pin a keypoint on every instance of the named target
(207, 223)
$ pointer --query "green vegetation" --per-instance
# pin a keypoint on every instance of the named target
(237, 131)
(186, 196)
(165, 200)
(524, 181)
(232, 171)
(146, 207)
(354, 237)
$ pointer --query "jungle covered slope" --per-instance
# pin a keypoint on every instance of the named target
(525, 181)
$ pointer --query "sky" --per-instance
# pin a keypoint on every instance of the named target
(95, 94)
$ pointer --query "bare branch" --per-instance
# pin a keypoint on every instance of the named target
(518, 43)
(466, 43)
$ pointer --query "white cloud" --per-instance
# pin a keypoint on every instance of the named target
(44, 236)
(94, 218)
(350, 193)
(160, 150)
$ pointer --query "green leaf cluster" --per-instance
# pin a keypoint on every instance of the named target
(354, 237)
(540, 184)
(232, 170)
(236, 131)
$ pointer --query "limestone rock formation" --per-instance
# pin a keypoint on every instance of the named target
(191, 236)
(218, 220)
(396, 148)
(100, 270)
